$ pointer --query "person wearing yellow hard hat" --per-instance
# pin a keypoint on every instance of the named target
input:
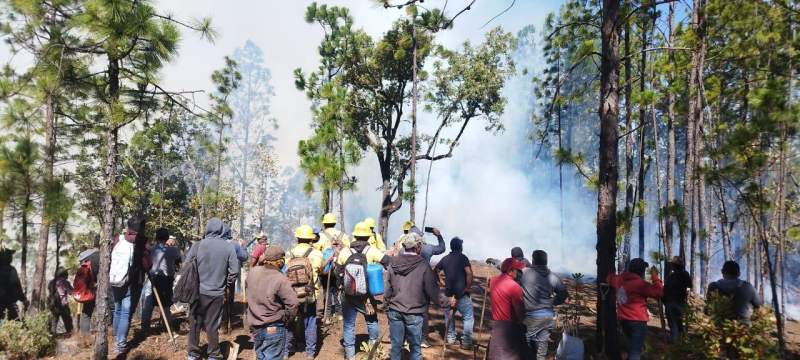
(397, 246)
(351, 305)
(299, 259)
(330, 234)
(376, 239)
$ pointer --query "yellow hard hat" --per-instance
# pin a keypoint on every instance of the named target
(329, 218)
(361, 230)
(408, 225)
(304, 232)
(370, 222)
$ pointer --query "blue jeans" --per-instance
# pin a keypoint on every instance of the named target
(124, 302)
(307, 316)
(269, 342)
(464, 307)
(405, 327)
(163, 285)
(635, 332)
(349, 309)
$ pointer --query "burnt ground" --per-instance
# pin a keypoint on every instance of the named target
(157, 345)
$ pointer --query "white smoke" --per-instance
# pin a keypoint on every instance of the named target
(493, 194)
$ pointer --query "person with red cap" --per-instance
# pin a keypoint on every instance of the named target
(508, 312)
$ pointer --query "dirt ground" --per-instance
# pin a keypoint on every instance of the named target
(158, 347)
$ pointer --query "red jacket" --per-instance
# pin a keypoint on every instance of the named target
(637, 291)
(506, 295)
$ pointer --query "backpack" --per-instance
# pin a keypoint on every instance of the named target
(355, 274)
(121, 262)
(57, 296)
(83, 284)
(187, 288)
(299, 272)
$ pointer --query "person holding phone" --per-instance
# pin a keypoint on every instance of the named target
(457, 283)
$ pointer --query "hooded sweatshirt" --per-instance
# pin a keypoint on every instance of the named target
(637, 291)
(744, 296)
(411, 284)
(541, 289)
(217, 265)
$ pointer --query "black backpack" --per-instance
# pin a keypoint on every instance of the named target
(354, 274)
(187, 289)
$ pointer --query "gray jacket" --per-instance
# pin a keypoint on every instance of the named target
(541, 289)
(428, 251)
(217, 265)
(743, 294)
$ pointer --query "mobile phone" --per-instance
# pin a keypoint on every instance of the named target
(429, 229)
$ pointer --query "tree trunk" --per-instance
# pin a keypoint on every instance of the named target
(629, 196)
(694, 119)
(773, 283)
(705, 242)
(413, 198)
(109, 216)
(642, 136)
(727, 249)
(220, 146)
(670, 213)
(243, 183)
(40, 272)
(608, 174)
(657, 175)
(23, 262)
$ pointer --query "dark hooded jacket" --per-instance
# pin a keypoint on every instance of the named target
(217, 265)
(10, 285)
(411, 284)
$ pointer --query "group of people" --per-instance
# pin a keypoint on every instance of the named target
(327, 276)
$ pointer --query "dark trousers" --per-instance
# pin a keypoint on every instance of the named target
(206, 315)
(307, 324)
(334, 303)
(635, 332)
(64, 315)
(425, 318)
(9, 311)
(162, 285)
(674, 312)
(85, 317)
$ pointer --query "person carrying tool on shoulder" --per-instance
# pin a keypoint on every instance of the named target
(303, 266)
(353, 262)
(330, 233)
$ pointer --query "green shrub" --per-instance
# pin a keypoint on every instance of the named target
(27, 339)
(713, 335)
